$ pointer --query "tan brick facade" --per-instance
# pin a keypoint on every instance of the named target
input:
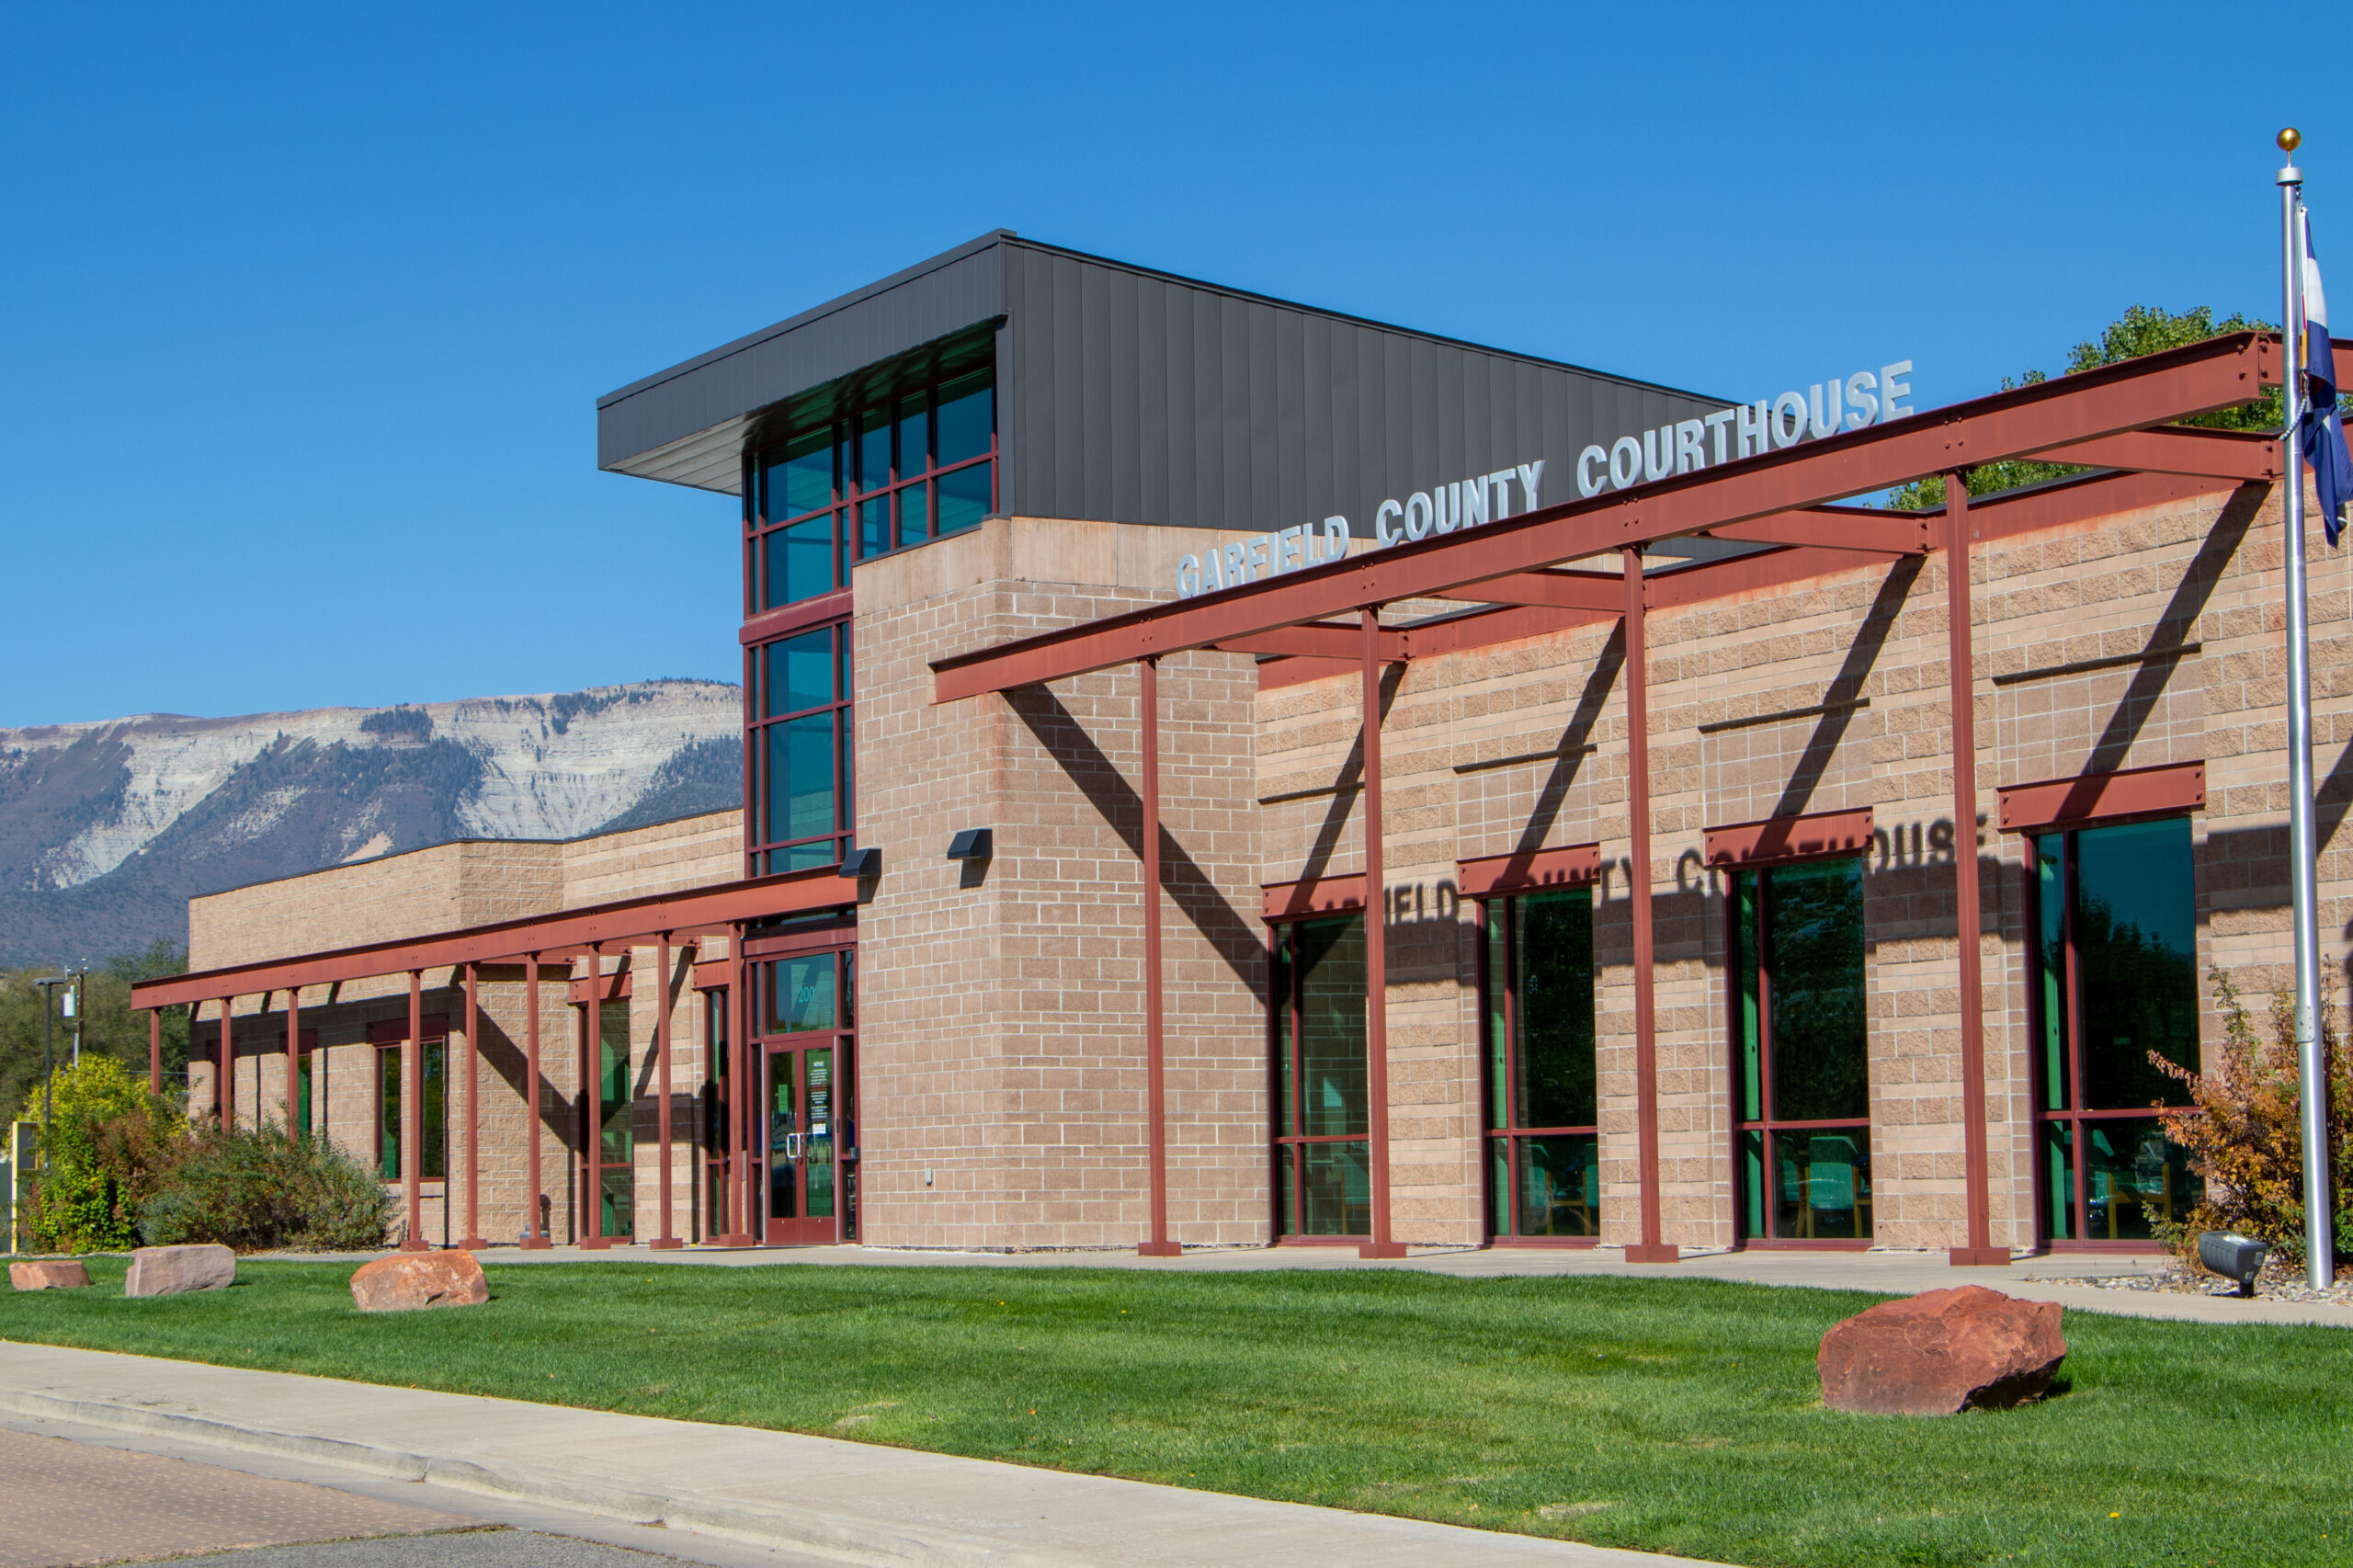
(1000, 1014)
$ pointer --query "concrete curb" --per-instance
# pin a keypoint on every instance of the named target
(869, 1544)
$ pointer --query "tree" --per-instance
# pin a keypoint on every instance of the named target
(2143, 329)
(109, 1027)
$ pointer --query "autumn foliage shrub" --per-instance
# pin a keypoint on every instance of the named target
(2244, 1127)
(109, 1141)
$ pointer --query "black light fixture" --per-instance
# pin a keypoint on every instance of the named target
(2233, 1256)
(862, 864)
(972, 844)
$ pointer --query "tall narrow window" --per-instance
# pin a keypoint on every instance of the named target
(800, 741)
(2116, 918)
(1544, 1138)
(1801, 1037)
(616, 1139)
(391, 1091)
(1321, 1154)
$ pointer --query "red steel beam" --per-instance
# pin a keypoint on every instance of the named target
(2022, 421)
(694, 910)
(1313, 639)
(2242, 456)
(1829, 528)
(1552, 589)
(591, 1222)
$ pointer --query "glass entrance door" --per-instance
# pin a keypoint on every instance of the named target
(804, 1108)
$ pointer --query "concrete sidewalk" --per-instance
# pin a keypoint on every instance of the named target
(844, 1502)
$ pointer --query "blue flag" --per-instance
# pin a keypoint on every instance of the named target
(2322, 432)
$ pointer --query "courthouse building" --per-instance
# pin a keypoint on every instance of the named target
(1223, 773)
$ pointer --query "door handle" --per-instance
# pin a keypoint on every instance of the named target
(792, 1145)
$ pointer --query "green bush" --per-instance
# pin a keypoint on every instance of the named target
(108, 1142)
(269, 1190)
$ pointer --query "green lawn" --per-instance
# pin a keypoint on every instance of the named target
(1677, 1415)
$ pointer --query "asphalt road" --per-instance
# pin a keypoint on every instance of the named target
(73, 1496)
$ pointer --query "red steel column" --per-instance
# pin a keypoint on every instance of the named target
(535, 1235)
(1155, 1084)
(666, 1240)
(293, 1054)
(740, 1099)
(224, 1068)
(592, 1108)
(1650, 1249)
(1968, 908)
(1376, 948)
(474, 1240)
(154, 1052)
(413, 1117)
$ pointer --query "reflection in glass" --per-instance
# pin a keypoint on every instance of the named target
(964, 498)
(802, 479)
(617, 1140)
(915, 438)
(1823, 1185)
(874, 449)
(433, 1131)
(800, 561)
(1320, 1029)
(803, 995)
(818, 1152)
(874, 526)
(800, 673)
(966, 418)
(1815, 942)
(1337, 1183)
(914, 514)
(2134, 1179)
(784, 1149)
(1560, 1184)
(1802, 1050)
(2116, 922)
(800, 777)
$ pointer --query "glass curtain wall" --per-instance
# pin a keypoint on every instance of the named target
(803, 785)
(1801, 1030)
(868, 473)
(392, 1090)
(2115, 961)
(1323, 1175)
(1544, 1138)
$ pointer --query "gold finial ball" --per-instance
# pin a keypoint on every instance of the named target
(2291, 139)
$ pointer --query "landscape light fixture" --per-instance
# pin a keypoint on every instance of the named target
(2233, 1256)
(862, 864)
(972, 844)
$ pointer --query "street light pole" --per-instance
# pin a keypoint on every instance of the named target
(47, 1051)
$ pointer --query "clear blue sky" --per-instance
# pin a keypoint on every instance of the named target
(305, 313)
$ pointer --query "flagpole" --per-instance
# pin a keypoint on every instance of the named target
(2320, 1260)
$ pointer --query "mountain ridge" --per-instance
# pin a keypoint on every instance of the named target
(109, 826)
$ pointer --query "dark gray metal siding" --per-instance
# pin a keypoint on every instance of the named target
(727, 385)
(1140, 398)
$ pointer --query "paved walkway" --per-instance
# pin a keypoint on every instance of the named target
(2063, 1279)
(65, 1503)
(818, 1496)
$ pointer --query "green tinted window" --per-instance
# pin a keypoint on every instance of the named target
(800, 479)
(966, 418)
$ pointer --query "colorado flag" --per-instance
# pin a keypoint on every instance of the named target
(2323, 433)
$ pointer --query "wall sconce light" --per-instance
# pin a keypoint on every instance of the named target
(862, 865)
(972, 844)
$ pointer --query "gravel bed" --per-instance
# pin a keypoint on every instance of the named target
(2278, 1282)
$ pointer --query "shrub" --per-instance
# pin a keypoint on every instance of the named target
(267, 1190)
(107, 1141)
(2245, 1132)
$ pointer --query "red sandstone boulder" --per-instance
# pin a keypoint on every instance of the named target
(406, 1281)
(54, 1274)
(1941, 1352)
(169, 1271)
